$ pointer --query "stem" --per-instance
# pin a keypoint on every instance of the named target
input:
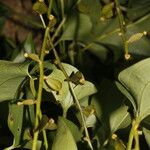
(58, 29)
(134, 134)
(62, 8)
(49, 8)
(136, 137)
(122, 26)
(39, 96)
(130, 141)
(45, 140)
(42, 20)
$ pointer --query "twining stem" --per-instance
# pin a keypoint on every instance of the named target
(122, 27)
(39, 95)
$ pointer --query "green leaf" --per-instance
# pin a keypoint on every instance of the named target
(85, 90)
(119, 119)
(127, 94)
(105, 33)
(28, 47)
(77, 26)
(147, 135)
(11, 77)
(136, 80)
(15, 122)
(92, 8)
(137, 9)
(64, 138)
(40, 7)
(29, 44)
(74, 130)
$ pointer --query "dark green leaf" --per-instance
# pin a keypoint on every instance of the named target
(92, 8)
(137, 8)
(77, 26)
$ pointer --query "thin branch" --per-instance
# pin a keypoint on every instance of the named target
(49, 8)
(58, 29)
(40, 88)
(87, 138)
(122, 29)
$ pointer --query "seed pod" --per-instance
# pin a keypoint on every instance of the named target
(27, 102)
(32, 56)
(136, 37)
(77, 78)
(32, 87)
(53, 83)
